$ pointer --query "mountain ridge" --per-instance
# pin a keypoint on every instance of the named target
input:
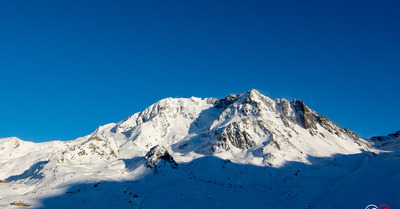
(170, 135)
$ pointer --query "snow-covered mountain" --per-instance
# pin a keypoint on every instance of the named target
(243, 150)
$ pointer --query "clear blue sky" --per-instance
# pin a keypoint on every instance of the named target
(69, 66)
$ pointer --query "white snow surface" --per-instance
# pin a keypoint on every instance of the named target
(243, 151)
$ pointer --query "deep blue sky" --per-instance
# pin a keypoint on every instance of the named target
(69, 66)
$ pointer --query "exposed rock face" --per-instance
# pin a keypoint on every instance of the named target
(333, 128)
(225, 102)
(236, 136)
(271, 129)
(159, 153)
(305, 116)
(285, 105)
(390, 142)
(299, 113)
(247, 126)
(397, 134)
(102, 146)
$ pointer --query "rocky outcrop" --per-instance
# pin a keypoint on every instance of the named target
(225, 102)
(390, 142)
(305, 115)
(236, 136)
(159, 153)
(397, 134)
(386, 138)
(333, 128)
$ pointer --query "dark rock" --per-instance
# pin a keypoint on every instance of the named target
(225, 102)
(397, 134)
(159, 153)
(234, 135)
(305, 115)
(285, 106)
(333, 128)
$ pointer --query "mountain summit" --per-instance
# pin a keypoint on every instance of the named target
(235, 143)
(247, 128)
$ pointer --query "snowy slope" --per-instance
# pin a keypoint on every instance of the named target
(243, 150)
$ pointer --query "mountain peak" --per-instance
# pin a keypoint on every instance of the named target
(239, 136)
(269, 132)
(254, 92)
(253, 96)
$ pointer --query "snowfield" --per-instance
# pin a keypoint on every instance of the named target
(242, 151)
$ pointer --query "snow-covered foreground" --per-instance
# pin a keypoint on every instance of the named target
(344, 181)
(243, 151)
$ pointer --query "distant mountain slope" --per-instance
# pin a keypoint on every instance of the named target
(202, 152)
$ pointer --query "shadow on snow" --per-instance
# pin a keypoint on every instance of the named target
(32, 172)
(341, 181)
